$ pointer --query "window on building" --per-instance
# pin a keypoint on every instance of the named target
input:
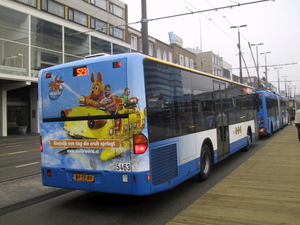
(116, 10)
(170, 57)
(220, 73)
(77, 17)
(45, 34)
(98, 25)
(99, 45)
(186, 61)
(118, 49)
(181, 60)
(165, 55)
(191, 63)
(76, 44)
(28, 2)
(99, 3)
(134, 43)
(53, 8)
(150, 49)
(116, 32)
(215, 71)
(159, 53)
(141, 45)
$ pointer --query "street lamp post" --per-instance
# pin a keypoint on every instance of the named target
(285, 93)
(240, 53)
(266, 69)
(257, 64)
(277, 68)
(144, 27)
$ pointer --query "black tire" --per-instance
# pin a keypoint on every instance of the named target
(205, 163)
(249, 142)
(271, 130)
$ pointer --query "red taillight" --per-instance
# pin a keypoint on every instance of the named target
(140, 148)
(262, 121)
(41, 144)
(49, 173)
(148, 177)
(117, 64)
(262, 130)
(140, 144)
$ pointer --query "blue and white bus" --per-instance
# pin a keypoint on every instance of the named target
(136, 125)
(272, 114)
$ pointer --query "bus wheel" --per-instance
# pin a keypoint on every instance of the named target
(206, 163)
(249, 142)
(271, 130)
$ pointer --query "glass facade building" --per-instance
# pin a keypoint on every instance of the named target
(35, 34)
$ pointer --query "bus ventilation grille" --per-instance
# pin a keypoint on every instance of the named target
(164, 164)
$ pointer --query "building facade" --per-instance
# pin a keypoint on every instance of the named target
(36, 34)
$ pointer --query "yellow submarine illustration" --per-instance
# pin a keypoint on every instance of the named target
(120, 129)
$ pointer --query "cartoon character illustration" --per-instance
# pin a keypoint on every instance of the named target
(56, 85)
(126, 94)
(108, 100)
(97, 91)
(98, 107)
(129, 101)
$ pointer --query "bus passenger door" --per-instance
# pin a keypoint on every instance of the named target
(220, 97)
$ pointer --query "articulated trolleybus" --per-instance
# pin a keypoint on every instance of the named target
(272, 114)
(132, 124)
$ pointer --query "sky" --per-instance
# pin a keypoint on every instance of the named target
(276, 24)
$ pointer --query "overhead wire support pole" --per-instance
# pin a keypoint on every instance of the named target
(256, 63)
(240, 53)
(247, 70)
(256, 66)
(266, 69)
(277, 68)
(144, 28)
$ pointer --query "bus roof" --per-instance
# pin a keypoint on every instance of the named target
(197, 71)
(102, 57)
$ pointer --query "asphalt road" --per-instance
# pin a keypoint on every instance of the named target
(19, 157)
(82, 207)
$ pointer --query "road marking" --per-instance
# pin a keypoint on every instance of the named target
(11, 146)
(29, 164)
(13, 153)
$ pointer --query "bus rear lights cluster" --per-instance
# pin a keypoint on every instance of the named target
(148, 177)
(262, 130)
(117, 64)
(41, 144)
(49, 173)
(140, 143)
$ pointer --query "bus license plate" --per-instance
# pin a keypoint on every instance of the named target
(84, 177)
